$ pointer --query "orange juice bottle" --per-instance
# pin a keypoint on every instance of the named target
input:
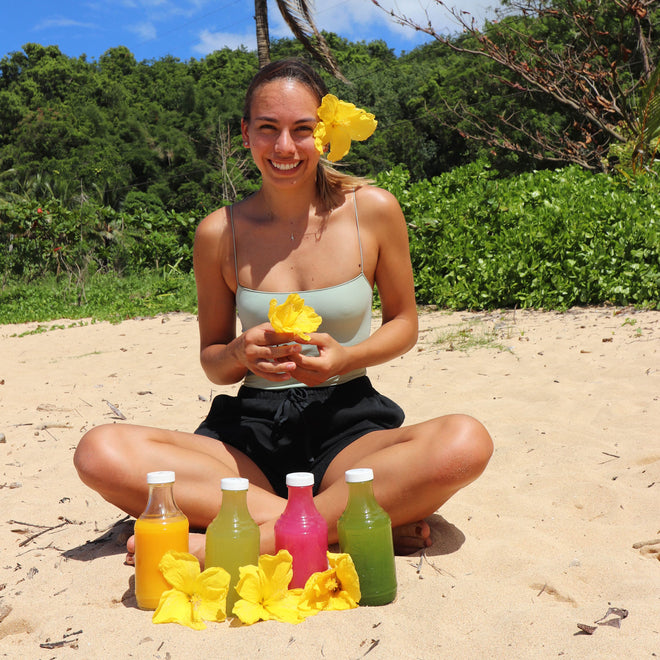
(162, 527)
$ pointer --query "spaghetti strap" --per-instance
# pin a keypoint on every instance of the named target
(357, 223)
(233, 238)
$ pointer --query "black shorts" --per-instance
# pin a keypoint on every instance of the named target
(298, 429)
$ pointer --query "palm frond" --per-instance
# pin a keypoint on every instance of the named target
(648, 138)
(298, 16)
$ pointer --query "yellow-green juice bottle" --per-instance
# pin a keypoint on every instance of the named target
(232, 539)
(365, 533)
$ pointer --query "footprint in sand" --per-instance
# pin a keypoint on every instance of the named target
(650, 549)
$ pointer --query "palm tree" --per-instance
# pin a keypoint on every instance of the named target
(297, 14)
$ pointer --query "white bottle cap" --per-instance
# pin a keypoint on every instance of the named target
(234, 483)
(162, 477)
(357, 475)
(300, 479)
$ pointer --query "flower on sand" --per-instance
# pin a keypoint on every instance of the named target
(293, 316)
(338, 588)
(264, 591)
(340, 123)
(195, 597)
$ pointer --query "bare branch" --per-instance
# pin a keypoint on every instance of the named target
(590, 67)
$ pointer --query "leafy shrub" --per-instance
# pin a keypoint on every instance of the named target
(548, 239)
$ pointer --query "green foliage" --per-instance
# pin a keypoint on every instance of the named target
(542, 239)
(61, 241)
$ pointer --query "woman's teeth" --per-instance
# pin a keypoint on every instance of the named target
(284, 166)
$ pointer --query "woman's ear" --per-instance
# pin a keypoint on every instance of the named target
(244, 133)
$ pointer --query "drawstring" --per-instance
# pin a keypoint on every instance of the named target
(291, 411)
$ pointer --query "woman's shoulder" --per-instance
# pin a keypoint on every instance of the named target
(377, 203)
(215, 224)
(376, 197)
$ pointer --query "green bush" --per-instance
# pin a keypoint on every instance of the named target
(548, 239)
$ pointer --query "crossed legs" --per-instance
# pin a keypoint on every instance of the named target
(417, 468)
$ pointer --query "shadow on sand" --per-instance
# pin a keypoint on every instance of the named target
(111, 542)
(447, 538)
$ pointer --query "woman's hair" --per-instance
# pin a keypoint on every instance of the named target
(331, 184)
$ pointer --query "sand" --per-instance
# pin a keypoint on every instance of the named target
(563, 526)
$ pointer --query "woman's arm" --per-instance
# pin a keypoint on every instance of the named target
(386, 257)
(225, 357)
(215, 300)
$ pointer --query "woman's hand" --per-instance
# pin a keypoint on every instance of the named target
(332, 360)
(267, 353)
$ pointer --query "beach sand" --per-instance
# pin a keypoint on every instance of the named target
(562, 528)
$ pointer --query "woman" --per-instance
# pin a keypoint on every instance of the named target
(304, 405)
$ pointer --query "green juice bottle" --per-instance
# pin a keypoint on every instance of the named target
(365, 533)
(232, 539)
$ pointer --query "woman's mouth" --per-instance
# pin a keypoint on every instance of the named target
(285, 167)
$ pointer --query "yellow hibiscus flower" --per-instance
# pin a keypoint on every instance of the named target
(293, 316)
(338, 588)
(340, 123)
(195, 597)
(264, 591)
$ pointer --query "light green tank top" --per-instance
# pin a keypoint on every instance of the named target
(345, 309)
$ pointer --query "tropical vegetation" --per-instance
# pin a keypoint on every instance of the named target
(107, 166)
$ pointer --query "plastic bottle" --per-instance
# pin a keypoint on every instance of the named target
(232, 539)
(162, 527)
(302, 530)
(365, 533)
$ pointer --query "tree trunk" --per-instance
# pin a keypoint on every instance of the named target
(263, 40)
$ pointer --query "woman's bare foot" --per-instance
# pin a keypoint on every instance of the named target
(196, 546)
(411, 538)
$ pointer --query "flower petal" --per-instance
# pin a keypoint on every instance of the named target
(320, 139)
(210, 597)
(276, 574)
(340, 144)
(286, 609)
(250, 613)
(343, 564)
(175, 607)
(249, 584)
(180, 569)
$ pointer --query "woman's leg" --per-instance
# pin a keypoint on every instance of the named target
(416, 469)
(114, 459)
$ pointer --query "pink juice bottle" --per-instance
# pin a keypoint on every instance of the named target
(302, 530)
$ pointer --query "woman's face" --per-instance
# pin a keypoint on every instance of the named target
(280, 131)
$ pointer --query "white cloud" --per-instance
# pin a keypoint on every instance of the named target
(146, 31)
(210, 41)
(50, 23)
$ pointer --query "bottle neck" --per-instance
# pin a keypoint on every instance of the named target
(300, 500)
(361, 495)
(161, 501)
(234, 501)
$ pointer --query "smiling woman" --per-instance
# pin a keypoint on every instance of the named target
(305, 402)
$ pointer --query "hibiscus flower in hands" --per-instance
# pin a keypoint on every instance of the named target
(293, 316)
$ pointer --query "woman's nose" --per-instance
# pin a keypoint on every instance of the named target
(284, 143)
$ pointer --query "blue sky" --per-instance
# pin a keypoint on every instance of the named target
(187, 29)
